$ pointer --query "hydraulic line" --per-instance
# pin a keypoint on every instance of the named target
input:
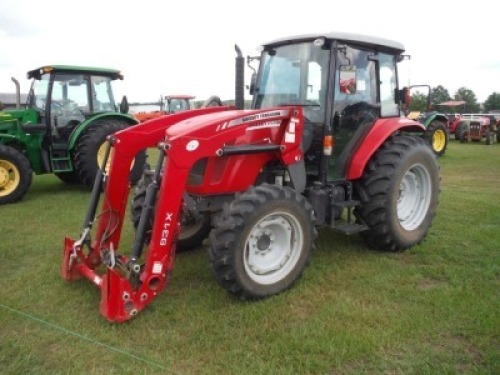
(147, 210)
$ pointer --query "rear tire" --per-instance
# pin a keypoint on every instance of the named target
(262, 242)
(15, 175)
(437, 137)
(213, 101)
(70, 178)
(488, 134)
(399, 194)
(88, 148)
(461, 132)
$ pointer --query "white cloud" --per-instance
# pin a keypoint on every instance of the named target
(188, 47)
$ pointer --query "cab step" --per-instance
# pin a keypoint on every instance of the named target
(60, 158)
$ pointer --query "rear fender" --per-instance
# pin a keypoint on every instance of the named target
(75, 135)
(382, 129)
(437, 117)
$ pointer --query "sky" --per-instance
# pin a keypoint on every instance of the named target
(187, 47)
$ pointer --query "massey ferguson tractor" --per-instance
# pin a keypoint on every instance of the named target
(69, 113)
(307, 155)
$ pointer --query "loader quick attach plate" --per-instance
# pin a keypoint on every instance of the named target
(119, 301)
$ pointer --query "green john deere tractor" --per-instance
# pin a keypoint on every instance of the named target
(69, 113)
(437, 133)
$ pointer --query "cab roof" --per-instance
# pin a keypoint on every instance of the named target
(360, 39)
(72, 69)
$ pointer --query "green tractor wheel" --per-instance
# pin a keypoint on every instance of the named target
(437, 137)
(15, 175)
(70, 178)
(91, 147)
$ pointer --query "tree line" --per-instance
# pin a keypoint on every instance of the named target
(439, 94)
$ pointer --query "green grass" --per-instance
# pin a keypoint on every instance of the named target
(431, 310)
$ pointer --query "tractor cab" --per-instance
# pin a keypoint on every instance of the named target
(342, 85)
(64, 97)
(178, 103)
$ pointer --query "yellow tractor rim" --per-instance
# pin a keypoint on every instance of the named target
(439, 140)
(9, 178)
(102, 152)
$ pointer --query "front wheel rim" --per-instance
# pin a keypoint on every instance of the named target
(439, 140)
(415, 194)
(9, 178)
(273, 248)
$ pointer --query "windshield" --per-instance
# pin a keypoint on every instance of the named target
(102, 94)
(38, 92)
(179, 105)
(294, 74)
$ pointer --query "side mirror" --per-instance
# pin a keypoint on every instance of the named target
(124, 107)
(347, 79)
(404, 95)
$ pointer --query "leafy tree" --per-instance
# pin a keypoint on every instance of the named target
(468, 96)
(439, 95)
(418, 102)
(492, 102)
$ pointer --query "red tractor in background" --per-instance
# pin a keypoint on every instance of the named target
(167, 105)
(173, 104)
(307, 155)
(476, 127)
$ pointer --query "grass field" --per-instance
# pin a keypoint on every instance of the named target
(431, 310)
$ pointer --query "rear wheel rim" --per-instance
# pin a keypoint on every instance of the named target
(439, 140)
(415, 195)
(273, 248)
(9, 178)
(101, 153)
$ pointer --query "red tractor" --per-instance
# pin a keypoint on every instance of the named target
(261, 181)
(476, 128)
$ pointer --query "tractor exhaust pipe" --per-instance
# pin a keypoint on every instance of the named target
(18, 92)
(239, 95)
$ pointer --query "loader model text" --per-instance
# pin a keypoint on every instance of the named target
(166, 229)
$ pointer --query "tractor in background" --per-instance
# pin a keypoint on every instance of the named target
(167, 105)
(308, 154)
(476, 128)
(70, 111)
(436, 132)
(175, 103)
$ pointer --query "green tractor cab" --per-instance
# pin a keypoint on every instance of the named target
(69, 114)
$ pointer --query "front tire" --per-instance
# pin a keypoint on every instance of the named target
(399, 194)
(437, 137)
(195, 226)
(91, 145)
(262, 242)
(15, 175)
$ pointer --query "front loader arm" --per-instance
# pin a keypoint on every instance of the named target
(81, 258)
(129, 283)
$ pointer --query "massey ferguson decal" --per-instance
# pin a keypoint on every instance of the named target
(265, 124)
(258, 116)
